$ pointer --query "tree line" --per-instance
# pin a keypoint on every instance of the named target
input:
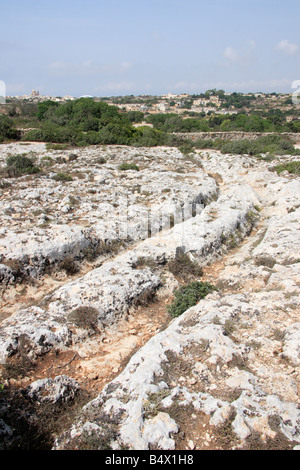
(86, 122)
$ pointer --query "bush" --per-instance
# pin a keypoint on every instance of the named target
(189, 295)
(84, 317)
(147, 137)
(291, 167)
(239, 147)
(144, 261)
(128, 166)
(62, 177)
(100, 160)
(69, 265)
(20, 165)
(183, 267)
(7, 132)
(274, 144)
(187, 147)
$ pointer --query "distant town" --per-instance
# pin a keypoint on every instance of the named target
(207, 103)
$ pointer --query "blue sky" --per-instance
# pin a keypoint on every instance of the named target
(124, 47)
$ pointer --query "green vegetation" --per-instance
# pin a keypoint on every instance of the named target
(64, 177)
(189, 295)
(183, 267)
(7, 131)
(87, 121)
(69, 265)
(273, 144)
(18, 165)
(84, 317)
(291, 167)
(270, 144)
(144, 261)
(256, 122)
(128, 166)
(100, 160)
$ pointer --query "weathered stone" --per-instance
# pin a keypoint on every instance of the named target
(233, 357)
(61, 389)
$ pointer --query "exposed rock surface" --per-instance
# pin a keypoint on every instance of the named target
(225, 374)
(57, 390)
(45, 220)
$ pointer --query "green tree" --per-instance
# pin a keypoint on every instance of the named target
(44, 107)
(226, 125)
(7, 132)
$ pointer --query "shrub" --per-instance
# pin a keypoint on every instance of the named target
(291, 167)
(239, 147)
(100, 160)
(272, 144)
(69, 265)
(62, 177)
(50, 146)
(7, 132)
(187, 147)
(102, 248)
(84, 317)
(183, 266)
(189, 295)
(47, 161)
(143, 262)
(265, 260)
(128, 166)
(20, 165)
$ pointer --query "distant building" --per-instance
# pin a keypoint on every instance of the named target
(170, 96)
(143, 124)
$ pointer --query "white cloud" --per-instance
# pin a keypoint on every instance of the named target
(124, 66)
(243, 58)
(231, 54)
(287, 47)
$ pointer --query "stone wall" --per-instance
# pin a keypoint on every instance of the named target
(236, 135)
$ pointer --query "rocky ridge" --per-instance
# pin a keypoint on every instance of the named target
(225, 374)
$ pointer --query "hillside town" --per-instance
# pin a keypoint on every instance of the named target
(211, 102)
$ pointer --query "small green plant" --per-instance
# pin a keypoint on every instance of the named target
(64, 177)
(251, 217)
(189, 295)
(128, 166)
(291, 167)
(47, 161)
(100, 160)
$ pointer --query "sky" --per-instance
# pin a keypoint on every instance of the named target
(148, 47)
